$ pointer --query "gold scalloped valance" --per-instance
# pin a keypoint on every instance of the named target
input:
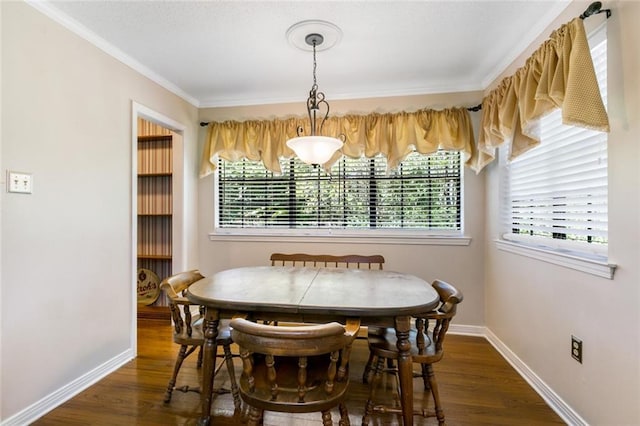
(394, 135)
(560, 74)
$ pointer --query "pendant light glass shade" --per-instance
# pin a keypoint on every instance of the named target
(314, 149)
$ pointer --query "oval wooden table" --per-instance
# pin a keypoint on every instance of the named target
(381, 298)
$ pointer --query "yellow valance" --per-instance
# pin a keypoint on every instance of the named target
(560, 74)
(394, 135)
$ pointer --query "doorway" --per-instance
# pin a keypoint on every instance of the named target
(157, 224)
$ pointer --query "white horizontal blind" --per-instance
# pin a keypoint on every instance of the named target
(424, 192)
(556, 194)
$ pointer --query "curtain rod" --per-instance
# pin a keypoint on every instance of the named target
(473, 109)
(594, 8)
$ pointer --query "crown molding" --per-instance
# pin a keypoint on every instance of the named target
(83, 32)
(550, 13)
(430, 90)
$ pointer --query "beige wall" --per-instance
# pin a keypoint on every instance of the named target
(426, 261)
(66, 278)
(535, 307)
(66, 301)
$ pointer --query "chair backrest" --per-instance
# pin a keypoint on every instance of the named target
(174, 287)
(431, 343)
(268, 377)
(327, 261)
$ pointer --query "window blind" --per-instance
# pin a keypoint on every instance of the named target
(424, 192)
(556, 194)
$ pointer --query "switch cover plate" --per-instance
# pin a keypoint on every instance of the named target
(19, 182)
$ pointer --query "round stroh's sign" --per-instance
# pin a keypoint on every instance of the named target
(148, 286)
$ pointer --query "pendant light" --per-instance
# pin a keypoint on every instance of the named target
(315, 148)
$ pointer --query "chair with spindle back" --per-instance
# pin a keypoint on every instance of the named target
(188, 333)
(327, 261)
(426, 349)
(294, 369)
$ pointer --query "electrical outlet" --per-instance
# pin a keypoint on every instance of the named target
(19, 182)
(576, 349)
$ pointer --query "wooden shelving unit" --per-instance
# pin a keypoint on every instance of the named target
(154, 209)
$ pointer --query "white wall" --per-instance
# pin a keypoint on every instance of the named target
(461, 265)
(534, 307)
(1, 208)
(66, 278)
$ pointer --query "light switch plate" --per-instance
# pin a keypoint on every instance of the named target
(19, 182)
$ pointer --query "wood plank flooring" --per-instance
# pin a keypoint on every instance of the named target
(477, 387)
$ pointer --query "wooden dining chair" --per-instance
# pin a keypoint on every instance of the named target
(358, 261)
(188, 333)
(294, 369)
(426, 349)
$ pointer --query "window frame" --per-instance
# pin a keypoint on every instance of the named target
(368, 235)
(578, 256)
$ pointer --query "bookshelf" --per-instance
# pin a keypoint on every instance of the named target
(154, 211)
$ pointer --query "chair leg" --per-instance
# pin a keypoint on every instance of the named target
(425, 377)
(436, 395)
(326, 418)
(172, 382)
(344, 415)
(375, 382)
(367, 368)
(255, 416)
(199, 364)
(228, 359)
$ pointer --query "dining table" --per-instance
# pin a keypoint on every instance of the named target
(305, 294)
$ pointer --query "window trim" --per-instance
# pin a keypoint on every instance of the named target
(364, 237)
(411, 236)
(594, 265)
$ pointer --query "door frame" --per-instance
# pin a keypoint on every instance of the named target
(178, 225)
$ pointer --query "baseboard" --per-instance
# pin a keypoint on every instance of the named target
(552, 399)
(68, 391)
(468, 330)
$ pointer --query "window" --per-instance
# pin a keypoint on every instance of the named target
(423, 193)
(556, 194)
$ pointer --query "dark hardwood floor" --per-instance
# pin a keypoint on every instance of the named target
(477, 386)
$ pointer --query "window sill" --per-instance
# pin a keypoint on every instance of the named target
(590, 266)
(434, 240)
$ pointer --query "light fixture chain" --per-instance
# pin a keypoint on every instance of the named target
(315, 65)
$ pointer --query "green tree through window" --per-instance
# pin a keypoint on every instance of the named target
(424, 192)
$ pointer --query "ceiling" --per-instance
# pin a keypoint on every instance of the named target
(227, 53)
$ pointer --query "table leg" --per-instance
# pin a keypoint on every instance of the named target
(405, 368)
(209, 350)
